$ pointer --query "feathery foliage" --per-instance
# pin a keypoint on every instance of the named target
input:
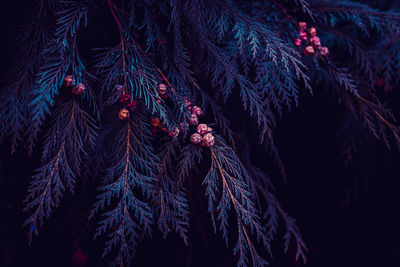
(235, 60)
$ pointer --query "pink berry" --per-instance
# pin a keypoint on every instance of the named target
(195, 138)
(193, 119)
(208, 140)
(297, 42)
(162, 89)
(303, 35)
(196, 110)
(379, 82)
(175, 132)
(312, 31)
(188, 103)
(324, 51)
(302, 25)
(309, 50)
(315, 41)
(202, 128)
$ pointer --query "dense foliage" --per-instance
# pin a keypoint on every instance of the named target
(102, 114)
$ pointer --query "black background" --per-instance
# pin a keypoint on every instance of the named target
(363, 231)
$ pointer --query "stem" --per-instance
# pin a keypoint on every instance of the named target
(114, 15)
(234, 200)
(40, 9)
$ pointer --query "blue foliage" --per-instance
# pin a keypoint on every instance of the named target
(235, 60)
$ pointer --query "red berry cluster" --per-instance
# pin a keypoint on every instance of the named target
(196, 112)
(130, 105)
(77, 89)
(312, 41)
(156, 125)
(380, 83)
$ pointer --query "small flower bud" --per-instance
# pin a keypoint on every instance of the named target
(195, 139)
(297, 42)
(312, 31)
(315, 41)
(303, 35)
(196, 110)
(193, 119)
(162, 89)
(309, 50)
(203, 128)
(302, 25)
(174, 133)
(208, 140)
(324, 51)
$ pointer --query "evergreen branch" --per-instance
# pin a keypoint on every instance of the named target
(234, 188)
(127, 188)
(53, 70)
(65, 143)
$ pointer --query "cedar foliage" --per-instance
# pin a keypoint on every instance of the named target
(231, 58)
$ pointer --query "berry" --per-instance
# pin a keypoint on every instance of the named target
(197, 110)
(309, 50)
(78, 90)
(193, 119)
(315, 41)
(174, 133)
(379, 82)
(68, 80)
(324, 51)
(118, 87)
(163, 127)
(196, 139)
(155, 122)
(162, 89)
(124, 98)
(208, 140)
(123, 114)
(297, 42)
(133, 105)
(388, 88)
(302, 25)
(303, 35)
(312, 31)
(203, 128)
(188, 103)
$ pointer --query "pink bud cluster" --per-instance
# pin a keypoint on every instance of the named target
(175, 132)
(193, 119)
(311, 41)
(196, 112)
(203, 137)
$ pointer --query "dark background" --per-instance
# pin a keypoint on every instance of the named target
(346, 219)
